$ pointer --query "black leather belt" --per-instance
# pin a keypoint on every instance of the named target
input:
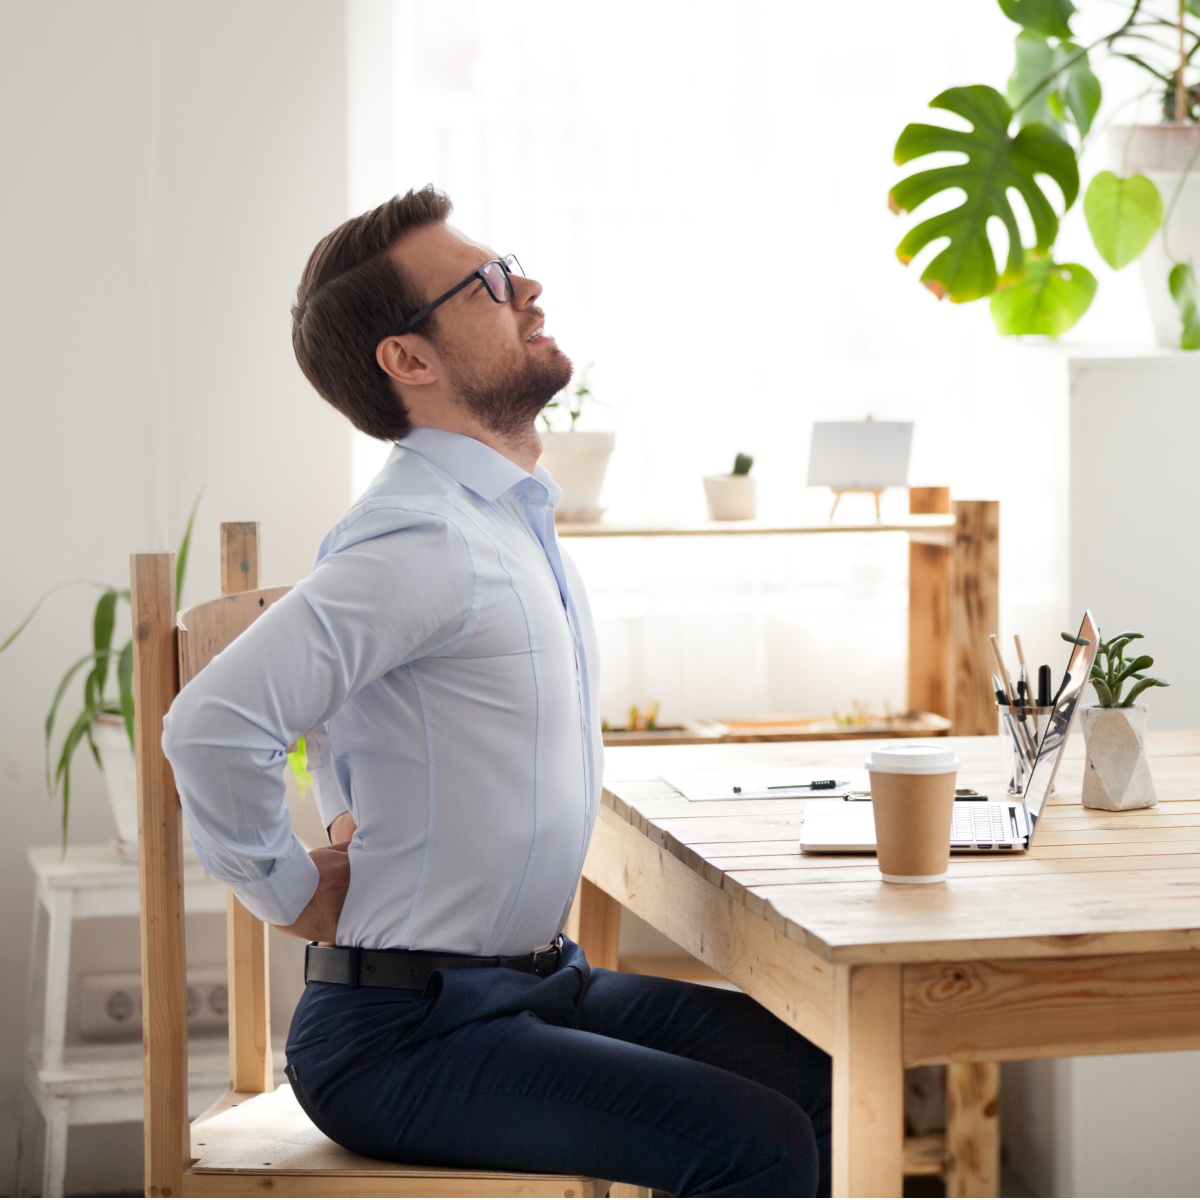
(354, 967)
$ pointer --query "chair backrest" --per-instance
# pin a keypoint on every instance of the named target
(168, 651)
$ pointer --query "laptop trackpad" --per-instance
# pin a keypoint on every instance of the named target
(838, 826)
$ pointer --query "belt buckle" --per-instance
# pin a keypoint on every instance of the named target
(546, 961)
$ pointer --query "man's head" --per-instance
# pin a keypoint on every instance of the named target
(479, 351)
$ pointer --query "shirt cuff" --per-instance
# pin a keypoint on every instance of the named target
(280, 897)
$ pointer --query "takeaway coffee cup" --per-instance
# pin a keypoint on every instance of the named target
(912, 794)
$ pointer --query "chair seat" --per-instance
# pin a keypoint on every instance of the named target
(248, 1144)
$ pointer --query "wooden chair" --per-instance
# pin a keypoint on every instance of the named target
(255, 1140)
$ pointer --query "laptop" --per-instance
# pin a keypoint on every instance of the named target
(848, 827)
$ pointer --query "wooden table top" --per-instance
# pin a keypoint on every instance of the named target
(1094, 883)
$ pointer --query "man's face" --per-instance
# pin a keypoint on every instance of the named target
(498, 360)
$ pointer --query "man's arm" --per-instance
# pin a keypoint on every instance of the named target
(370, 606)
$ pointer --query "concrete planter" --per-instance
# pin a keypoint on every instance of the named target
(1116, 775)
(730, 497)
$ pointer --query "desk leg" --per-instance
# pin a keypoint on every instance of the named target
(868, 1082)
(972, 1129)
(599, 925)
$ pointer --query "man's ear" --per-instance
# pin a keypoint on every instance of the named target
(405, 360)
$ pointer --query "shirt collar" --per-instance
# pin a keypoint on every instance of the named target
(486, 472)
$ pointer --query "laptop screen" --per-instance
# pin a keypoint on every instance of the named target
(1079, 669)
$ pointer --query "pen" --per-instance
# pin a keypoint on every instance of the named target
(1044, 685)
(815, 785)
(1020, 653)
(1004, 675)
(998, 688)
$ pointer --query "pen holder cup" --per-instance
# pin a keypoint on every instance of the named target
(1021, 729)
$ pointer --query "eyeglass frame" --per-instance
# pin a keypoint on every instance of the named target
(502, 263)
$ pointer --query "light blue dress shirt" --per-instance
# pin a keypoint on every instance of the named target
(442, 654)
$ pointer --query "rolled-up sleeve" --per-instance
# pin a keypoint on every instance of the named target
(392, 585)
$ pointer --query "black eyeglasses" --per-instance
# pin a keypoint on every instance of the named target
(495, 274)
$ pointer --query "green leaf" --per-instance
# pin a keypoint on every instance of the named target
(52, 715)
(1047, 300)
(62, 773)
(298, 761)
(1123, 214)
(1080, 92)
(182, 557)
(1193, 6)
(1182, 282)
(1102, 693)
(125, 687)
(965, 269)
(1035, 63)
(102, 631)
(1048, 17)
(1139, 688)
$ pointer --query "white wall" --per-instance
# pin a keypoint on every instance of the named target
(167, 169)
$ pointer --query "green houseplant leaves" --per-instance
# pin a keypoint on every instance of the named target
(1182, 282)
(965, 269)
(1048, 299)
(1039, 132)
(1123, 214)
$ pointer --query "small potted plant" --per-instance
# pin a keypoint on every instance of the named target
(732, 497)
(105, 721)
(576, 458)
(1116, 774)
(1041, 129)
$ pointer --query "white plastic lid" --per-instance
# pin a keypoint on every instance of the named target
(913, 758)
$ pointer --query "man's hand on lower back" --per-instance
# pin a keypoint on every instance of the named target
(318, 921)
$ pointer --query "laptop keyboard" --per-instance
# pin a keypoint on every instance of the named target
(982, 824)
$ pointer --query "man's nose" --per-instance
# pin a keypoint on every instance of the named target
(525, 290)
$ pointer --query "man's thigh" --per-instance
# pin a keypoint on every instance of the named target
(723, 1028)
(514, 1093)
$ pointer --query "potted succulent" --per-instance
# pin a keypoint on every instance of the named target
(1042, 127)
(576, 458)
(1116, 774)
(104, 723)
(732, 497)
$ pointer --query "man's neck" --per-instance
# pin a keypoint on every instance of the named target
(524, 448)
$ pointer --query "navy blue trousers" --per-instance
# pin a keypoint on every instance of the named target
(691, 1090)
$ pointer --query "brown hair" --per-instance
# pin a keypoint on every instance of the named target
(351, 296)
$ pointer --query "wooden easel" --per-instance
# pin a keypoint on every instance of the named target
(838, 493)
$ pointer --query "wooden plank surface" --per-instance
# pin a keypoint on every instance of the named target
(868, 1082)
(939, 527)
(930, 632)
(1104, 881)
(973, 1129)
(976, 612)
(209, 630)
(269, 1131)
(160, 868)
(973, 1011)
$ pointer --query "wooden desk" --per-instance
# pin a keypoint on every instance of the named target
(1089, 944)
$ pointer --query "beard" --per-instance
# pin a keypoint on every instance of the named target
(507, 403)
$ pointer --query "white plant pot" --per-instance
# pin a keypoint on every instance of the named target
(577, 462)
(120, 779)
(1161, 153)
(1116, 775)
(730, 497)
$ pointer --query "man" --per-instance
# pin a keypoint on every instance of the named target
(443, 655)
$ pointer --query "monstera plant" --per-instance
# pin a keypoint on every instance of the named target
(1040, 128)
